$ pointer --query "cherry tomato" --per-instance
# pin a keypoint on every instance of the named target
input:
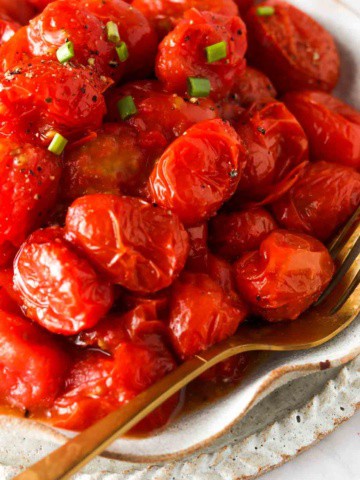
(161, 117)
(199, 171)
(15, 51)
(20, 10)
(232, 234)
(112, 162)
(182, 52)
(40, 4)
(201, 314)
(33, 364)
(276, 145)
(64, 21)
(9, 299)
(59, 289)
(321, 201)
(165, 14)
(134, 30)
(8, 27)
(292, 48)
(230, 371)
(332, 126)
(285, 276)
(64, 99)
(198, 254)
(28, 188)
(138, 245)
(244, 5)
(252, 86)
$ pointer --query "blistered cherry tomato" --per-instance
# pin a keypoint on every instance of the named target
(292, 48)
(8, 27)
(44, 97)
(134, 30)
(59, 289)
(252, 86)
(9, 298)
(198, 254)
(182, 52)
(201, 314)
(199, 171)
(33, 364)
(332, 126)
(138, 245)
(285, 276)
(20, 10)
(111, 162)
(165, 14)
(276, 144)
(40, 4)
(321, 201)
(232, 234)
(28, 188)
(230, 371)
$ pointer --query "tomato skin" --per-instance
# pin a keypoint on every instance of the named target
(59, 289)
(292, 49)
(33, 364)
(8, 27)
(321, 201)
(332, 126)
(139, 246)
(276, 144)
(198, 254)
(9, 299)
(29, 179)
(196, 190)
(40, 4)
(201, 314)
(20, 10)
(64, 98)
(112, 162)
(285, 276)
(232, 234)
(165, 14)
(230, 371)
(181, 53)
(253, 86)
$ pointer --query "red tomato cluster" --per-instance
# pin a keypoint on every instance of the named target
(156, 191)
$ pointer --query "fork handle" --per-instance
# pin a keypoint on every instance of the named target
(77, 452)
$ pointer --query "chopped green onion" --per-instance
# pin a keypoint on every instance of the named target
(122, 51)
(65, 52)
(112, 32)
(198, 87)
(58, 144)
(216, 52)
(265, 11)
(126, 107)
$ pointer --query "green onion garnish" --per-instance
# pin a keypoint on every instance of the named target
(216, 52)
(58, 144)
(198, 87)
(112, 32)
(126, 107)
(122, 51)
(65, 52)
(265, 11)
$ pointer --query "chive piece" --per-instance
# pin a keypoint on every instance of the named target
(65, 52)
(122, 51)
(126, 107)
(112, 32)
(216, 52)
(265, 11)
(198, 87)
(58, 144)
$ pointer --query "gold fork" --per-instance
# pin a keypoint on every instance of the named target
(332, 313)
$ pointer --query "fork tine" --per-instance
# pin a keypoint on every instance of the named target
(340, 240)
(346, 295)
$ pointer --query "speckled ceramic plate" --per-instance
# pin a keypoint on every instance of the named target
(216, 426)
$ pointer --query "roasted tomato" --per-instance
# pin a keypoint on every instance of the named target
(20, 10)
(199, 171)
(33, 364)
(29, 183)
(201, 314)
(321, 201)
(253, 86)
(198, 254)
(292, 48)
(39, 4)
(8, 27)
(161, 117)
(285, 276)
(232, 234)
(165, 14)
(111, 162)
(9, 298)
(134, 30)
(59, 289)
(138, 245)
(182, 52)
(276, 145)
(332, 126)
(230, 371)
(63, 99)
(63, 21)
(99, 384)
